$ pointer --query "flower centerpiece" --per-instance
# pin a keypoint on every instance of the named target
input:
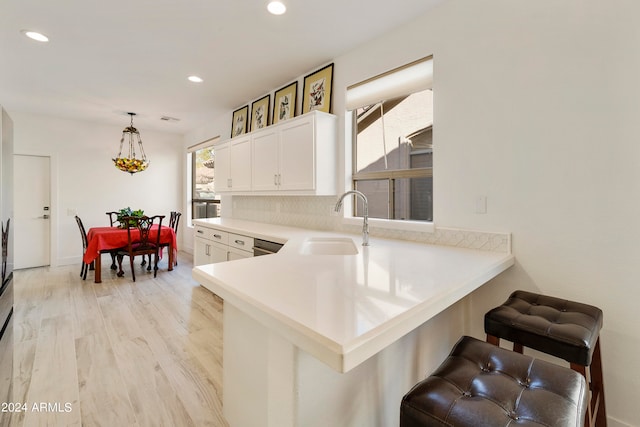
(125, 212)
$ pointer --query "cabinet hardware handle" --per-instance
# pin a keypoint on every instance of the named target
(240, 242)
(275, 179)
(207, 250)
(229, 182)
(217, 236)
(200, 231)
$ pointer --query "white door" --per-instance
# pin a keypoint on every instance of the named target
(32, 204)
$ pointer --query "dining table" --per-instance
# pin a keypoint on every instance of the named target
(105, 239)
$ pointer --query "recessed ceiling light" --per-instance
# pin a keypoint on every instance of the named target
(276, 7)
(195, 79)
(34, 35)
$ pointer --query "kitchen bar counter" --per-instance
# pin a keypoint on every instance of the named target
(285, 312)
(344, 309)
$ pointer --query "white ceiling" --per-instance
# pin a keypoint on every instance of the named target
(106, 58)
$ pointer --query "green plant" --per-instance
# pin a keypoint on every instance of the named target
(125, 212)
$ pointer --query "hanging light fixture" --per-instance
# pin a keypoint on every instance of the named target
(131, 164)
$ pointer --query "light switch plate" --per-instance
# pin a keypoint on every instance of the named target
(481, 204)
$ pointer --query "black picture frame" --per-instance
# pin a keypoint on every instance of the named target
(260, 113)
(239, 121)
(318, 90)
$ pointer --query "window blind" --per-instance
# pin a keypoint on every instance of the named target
(401, 81)
(203, 144)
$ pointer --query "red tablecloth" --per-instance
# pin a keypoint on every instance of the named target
(104, 238)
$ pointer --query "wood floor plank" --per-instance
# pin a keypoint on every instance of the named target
(120, 353)
(103, 398)
(53, 392)
(153, 399)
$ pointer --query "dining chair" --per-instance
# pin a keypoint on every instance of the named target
(83, 234)
(174, 220)
(113, 219)
(113, 222)
(146, 243)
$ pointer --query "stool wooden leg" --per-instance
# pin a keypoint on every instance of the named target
(596, 412)
(597, 386)
(491, 339)
(517, 347)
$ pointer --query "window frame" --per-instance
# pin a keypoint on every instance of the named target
(209, 144)
(391, 175)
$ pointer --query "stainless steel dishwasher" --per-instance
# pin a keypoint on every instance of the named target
(265, 247)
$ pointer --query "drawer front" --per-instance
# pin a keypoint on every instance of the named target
(212, 234)
(241, 242)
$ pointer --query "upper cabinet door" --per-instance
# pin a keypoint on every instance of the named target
(240, 160)
(297, 155)
(265, 168)
(222, 171)
(294, 157)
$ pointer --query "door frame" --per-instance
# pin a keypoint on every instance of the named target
(53, 209)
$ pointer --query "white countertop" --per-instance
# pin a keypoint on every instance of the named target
(345, 308)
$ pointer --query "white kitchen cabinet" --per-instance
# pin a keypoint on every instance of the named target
(297, 156)
(266, 151)
(212, 245)
(208, 252)
(233, 165)
(294, 157)
(298, 159)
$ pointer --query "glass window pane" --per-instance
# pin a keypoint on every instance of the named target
(392, 138)
(377, 192)
(388, 132)
(203, 174)
(205, 210)
(413, 199)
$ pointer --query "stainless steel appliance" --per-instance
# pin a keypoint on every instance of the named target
(265, 247)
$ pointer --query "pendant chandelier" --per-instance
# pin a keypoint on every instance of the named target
(131, 164)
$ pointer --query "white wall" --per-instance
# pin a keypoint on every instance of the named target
(85, 179)
(537, 107)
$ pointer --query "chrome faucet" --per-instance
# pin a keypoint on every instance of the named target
(365, 224)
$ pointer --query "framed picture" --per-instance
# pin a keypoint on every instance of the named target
(260, 113)
(317, 90)
(284, 103)
(239, 121)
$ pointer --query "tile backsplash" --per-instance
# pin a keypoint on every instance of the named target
(314, 212)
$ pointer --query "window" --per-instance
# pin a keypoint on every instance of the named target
(204, 202)
(393, 144)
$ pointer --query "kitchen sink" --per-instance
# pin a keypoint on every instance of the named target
(329, 246)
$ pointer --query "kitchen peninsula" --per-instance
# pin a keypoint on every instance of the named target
(336, 339)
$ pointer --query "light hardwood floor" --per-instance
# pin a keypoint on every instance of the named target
(118, 353)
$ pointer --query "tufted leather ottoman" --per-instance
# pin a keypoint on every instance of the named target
(566, 329)
(480, 384)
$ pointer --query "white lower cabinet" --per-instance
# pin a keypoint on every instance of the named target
(212, 245)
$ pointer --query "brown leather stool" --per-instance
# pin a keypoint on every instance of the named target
(480, 384)
(565, 329)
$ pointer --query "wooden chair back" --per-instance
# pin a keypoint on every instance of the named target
(174, 220)
(83, 234)
(113, 218)
(145, 242)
